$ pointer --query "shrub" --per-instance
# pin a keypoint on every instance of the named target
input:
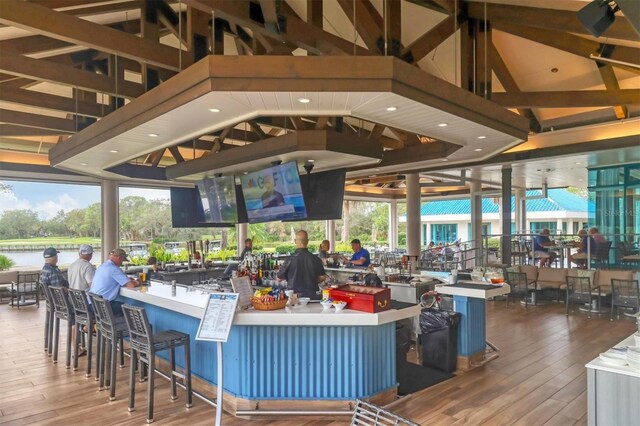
(221, 255)
(285, 248)
(313, 248)
(5, 262)
(344, 247)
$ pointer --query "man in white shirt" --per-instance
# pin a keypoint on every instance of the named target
(81, 271)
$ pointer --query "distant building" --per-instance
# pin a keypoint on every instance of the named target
(448, 220)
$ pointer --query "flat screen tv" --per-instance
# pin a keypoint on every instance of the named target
(187, 211)
(218, 197)
(324, 194)
(274, 194)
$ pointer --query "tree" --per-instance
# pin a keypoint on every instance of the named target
(19, 224)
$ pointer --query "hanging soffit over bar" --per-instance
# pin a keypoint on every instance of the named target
(244, 87)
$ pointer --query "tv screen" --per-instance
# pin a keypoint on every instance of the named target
(187, 211)
(324, 194)
(218, 197)
(274, 194)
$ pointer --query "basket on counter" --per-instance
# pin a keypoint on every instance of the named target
(261, 306)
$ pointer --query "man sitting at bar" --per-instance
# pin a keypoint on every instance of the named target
(248, 248)
(50, 275)
(540, 248)
(361, 256)
(303, 271)
(81, 271)
(109, 278)
(580, 258)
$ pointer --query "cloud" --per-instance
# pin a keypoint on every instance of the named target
(9, 201)
(45, 209)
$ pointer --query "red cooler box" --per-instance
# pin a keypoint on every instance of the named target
(363, 298)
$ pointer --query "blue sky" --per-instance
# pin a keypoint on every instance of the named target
(48, 198)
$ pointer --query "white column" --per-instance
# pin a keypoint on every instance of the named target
(476, 218)
(413, 215)
(330, 233)
(559, 226)
(241, 235)
(521, 211)
(110, 216)
(393, 225)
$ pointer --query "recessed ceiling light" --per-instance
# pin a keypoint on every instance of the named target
(577, 163)
(478, 149)
(377, 170)
(113, 151)
(304, 100)
(442, 125)
(83, 164)
(482, 137)
(392, 108)
(214, 110)
(311, 161)
(579, 180)
(153, 135)
(445, 159)
(245, 173)
(98, 173)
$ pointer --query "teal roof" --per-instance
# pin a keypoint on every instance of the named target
(558, 200)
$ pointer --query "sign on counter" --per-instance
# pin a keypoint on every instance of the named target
(242, 286)
(218, 317)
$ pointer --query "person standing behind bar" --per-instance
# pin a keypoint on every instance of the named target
(81, 271)
(248, 248)
(303, 271)
(361, 256)
(323, 252)
(109, 278)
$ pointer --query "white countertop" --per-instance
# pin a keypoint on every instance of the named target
(598, 364)
(192, 303)
(491, 290)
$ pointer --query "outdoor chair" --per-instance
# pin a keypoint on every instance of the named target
(579, 290)
(519, 281)
(84, 318)
(48, 320)
(145, 345)
(27, 286)
(62, 311)
(601, 256)
(624, 294)
(368, 414)
(112, 332)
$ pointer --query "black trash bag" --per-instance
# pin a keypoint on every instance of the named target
(432, 320)
(372, 280)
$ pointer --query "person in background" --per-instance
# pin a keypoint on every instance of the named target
(50, 275)
(360, 257)
(580, 258)
(153, 273)
(271, 197)
(248, 248)
(109, 278)
(323, 251)
(540, 248)
(597, 236)
(303, 271)
(81, 271)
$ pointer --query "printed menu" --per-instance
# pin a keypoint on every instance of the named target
(218, 317)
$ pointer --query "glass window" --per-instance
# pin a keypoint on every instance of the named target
(444, 233)
(536, 227)
(606, 177)
(634, 175)
(486, 229)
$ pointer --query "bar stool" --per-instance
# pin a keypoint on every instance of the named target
(48, 322)
(112, 332)
(146, 344)
(84, 317)
(62, 311)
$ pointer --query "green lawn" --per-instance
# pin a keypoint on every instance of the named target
(50, 241)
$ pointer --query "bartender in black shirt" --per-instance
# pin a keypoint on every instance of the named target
(303, 271)
(248, 248)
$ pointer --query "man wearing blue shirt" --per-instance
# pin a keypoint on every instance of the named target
(361, 257)
(109, 278)
(540, 248)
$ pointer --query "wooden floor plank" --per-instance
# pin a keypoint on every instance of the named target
(539, 378)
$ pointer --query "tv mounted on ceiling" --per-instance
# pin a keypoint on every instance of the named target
(218, 197)
(324, 194)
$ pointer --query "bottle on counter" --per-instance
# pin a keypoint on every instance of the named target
(173, 288)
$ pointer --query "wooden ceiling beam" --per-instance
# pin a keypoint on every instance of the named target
(64, 125)
(510, 85)
(611, 83)
(368, 23)
(270, 14)
(315, 13)
(13, 130)
(550, 19)
(176, 154)
(40, 69)
(257, 129)
(568, 42)
(52, 102)
(424, 44)
(48, 22)
(568, 99)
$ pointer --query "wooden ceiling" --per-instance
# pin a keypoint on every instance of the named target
(66, 63)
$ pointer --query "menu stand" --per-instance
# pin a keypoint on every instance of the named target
(215, 326)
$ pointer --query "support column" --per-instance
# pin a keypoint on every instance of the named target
(241, 235)
(330, 233)
(559, 226)
(505, 220)
(109, 201)
(393, 225)
(521, 211)
(475, 190)
(413, 215)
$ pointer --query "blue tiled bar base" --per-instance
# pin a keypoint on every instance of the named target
(290, 362)
(471, 331)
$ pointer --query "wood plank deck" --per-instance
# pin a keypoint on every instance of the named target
(539, 379)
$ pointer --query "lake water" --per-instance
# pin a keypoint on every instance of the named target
(34, 258)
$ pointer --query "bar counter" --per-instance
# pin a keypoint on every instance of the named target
(292, 360)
